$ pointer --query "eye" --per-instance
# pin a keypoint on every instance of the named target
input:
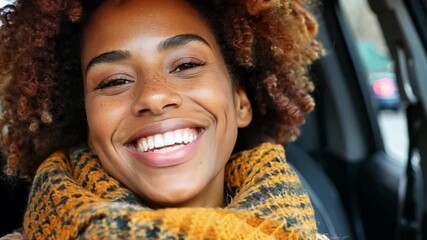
(187, 64)
(113, 83)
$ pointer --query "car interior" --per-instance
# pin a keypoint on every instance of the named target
(358, 190)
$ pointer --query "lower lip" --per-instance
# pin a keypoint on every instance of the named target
(169, 159)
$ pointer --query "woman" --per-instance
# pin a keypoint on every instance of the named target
(130, 111)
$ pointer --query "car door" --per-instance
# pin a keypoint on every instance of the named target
(404, 25)
(382, 193)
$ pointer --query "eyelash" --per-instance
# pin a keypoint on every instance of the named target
(187, 65)
(112, 83)
(121, 81)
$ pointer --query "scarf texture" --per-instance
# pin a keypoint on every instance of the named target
(75, 198)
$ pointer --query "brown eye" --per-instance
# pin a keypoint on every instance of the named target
(187, 65)
(113, 83)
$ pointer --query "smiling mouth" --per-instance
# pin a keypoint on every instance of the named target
(168, 141)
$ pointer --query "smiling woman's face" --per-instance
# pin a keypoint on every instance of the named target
(161, 107)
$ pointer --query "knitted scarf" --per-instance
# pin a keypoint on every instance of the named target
(74, 197)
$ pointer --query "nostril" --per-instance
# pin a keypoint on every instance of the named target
(158, 108)
(170, 105)
(156, 102)
(143, 111)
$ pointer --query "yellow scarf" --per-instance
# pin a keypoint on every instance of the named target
(74, 197)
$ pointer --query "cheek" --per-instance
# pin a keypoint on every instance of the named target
(218, 99)
(214, 93)
(103, 118)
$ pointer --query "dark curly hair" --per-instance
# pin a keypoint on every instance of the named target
(267, 43)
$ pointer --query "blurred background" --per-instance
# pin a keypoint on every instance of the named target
(380, 75)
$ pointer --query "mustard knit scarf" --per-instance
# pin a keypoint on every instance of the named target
(74, 197)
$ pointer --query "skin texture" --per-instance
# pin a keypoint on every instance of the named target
(267, 46)
(155, 88)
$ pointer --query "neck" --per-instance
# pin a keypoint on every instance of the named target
(212, 196)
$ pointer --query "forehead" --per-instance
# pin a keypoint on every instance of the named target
(116, 22)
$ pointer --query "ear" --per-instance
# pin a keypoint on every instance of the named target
(243, 107)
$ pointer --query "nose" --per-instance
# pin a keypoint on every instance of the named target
(155, 95)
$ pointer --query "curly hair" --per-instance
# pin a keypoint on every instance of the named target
(267, 45)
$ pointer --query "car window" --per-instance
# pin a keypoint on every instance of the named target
(5, 2)
(380, 75)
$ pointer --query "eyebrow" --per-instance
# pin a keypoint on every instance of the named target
(108, 57)
(180, 40)
(169, 43)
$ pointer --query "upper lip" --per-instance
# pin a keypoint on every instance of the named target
(160, 127)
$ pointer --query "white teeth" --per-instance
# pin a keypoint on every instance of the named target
(150, 143)
(161, 141)
(158, 141)
(168, 149)
(143, 145)
(185, 137)
(169, 139)
(178, 137)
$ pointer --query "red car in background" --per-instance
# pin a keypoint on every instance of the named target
(383, 85)
(381, 76)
